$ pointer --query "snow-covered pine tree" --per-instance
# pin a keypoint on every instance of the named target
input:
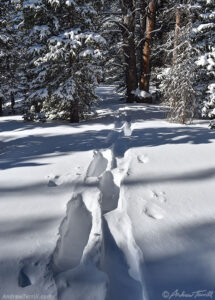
(63, 58)
(8, 55)
(179, 78)
(22, 39)
(111, 30)
(203, 35)
(124, 27)
(121, 62)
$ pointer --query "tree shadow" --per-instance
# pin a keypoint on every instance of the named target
(18, 150)
(20, 227)
(190, 270)
(20, 125)
(21, 267)
(121, 284)
(38, 187)
(17, 153)
(200, 174)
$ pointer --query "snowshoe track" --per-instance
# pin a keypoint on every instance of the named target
(74, 234)
(97, 166)
(96, 216)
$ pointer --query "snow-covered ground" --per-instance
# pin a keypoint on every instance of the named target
(117, 208)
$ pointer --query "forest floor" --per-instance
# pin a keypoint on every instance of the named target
(120, 207)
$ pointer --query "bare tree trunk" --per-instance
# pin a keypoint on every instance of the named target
(140, 30)
(74, 113)
(128, 31)
(12, 102)
(1, 106)
(177, 31)
(150, 26)
(143, 14)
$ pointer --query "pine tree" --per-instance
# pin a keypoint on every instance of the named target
(63, 53)
(114, 59)
(128, 32)
(8, 55)
(179, 78)
(128, 59)
(203, 35)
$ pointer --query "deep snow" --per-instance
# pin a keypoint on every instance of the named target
(120, 207)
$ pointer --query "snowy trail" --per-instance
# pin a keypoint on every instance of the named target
(96, 223)
(139, 213)
(119, 236)
(77, 257)
(119, 207)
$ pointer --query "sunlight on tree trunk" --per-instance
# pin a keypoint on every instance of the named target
(128, 30)
(177, 31)
(143, 7)
(150, 26)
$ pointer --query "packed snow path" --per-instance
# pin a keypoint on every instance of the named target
(102, 240)
(140, 216)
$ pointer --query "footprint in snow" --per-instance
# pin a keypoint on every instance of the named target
(143, 159)
(78, 171)
(29, 274)
(98, 165)
(154, 211)
(160, 196)
(127, 129)
(53, 181)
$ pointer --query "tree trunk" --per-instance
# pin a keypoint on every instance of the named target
(1, 106)
(12, 99)
(150, 26)
(128, 31)
(143, 6)
(74, 113)
(177, 31)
